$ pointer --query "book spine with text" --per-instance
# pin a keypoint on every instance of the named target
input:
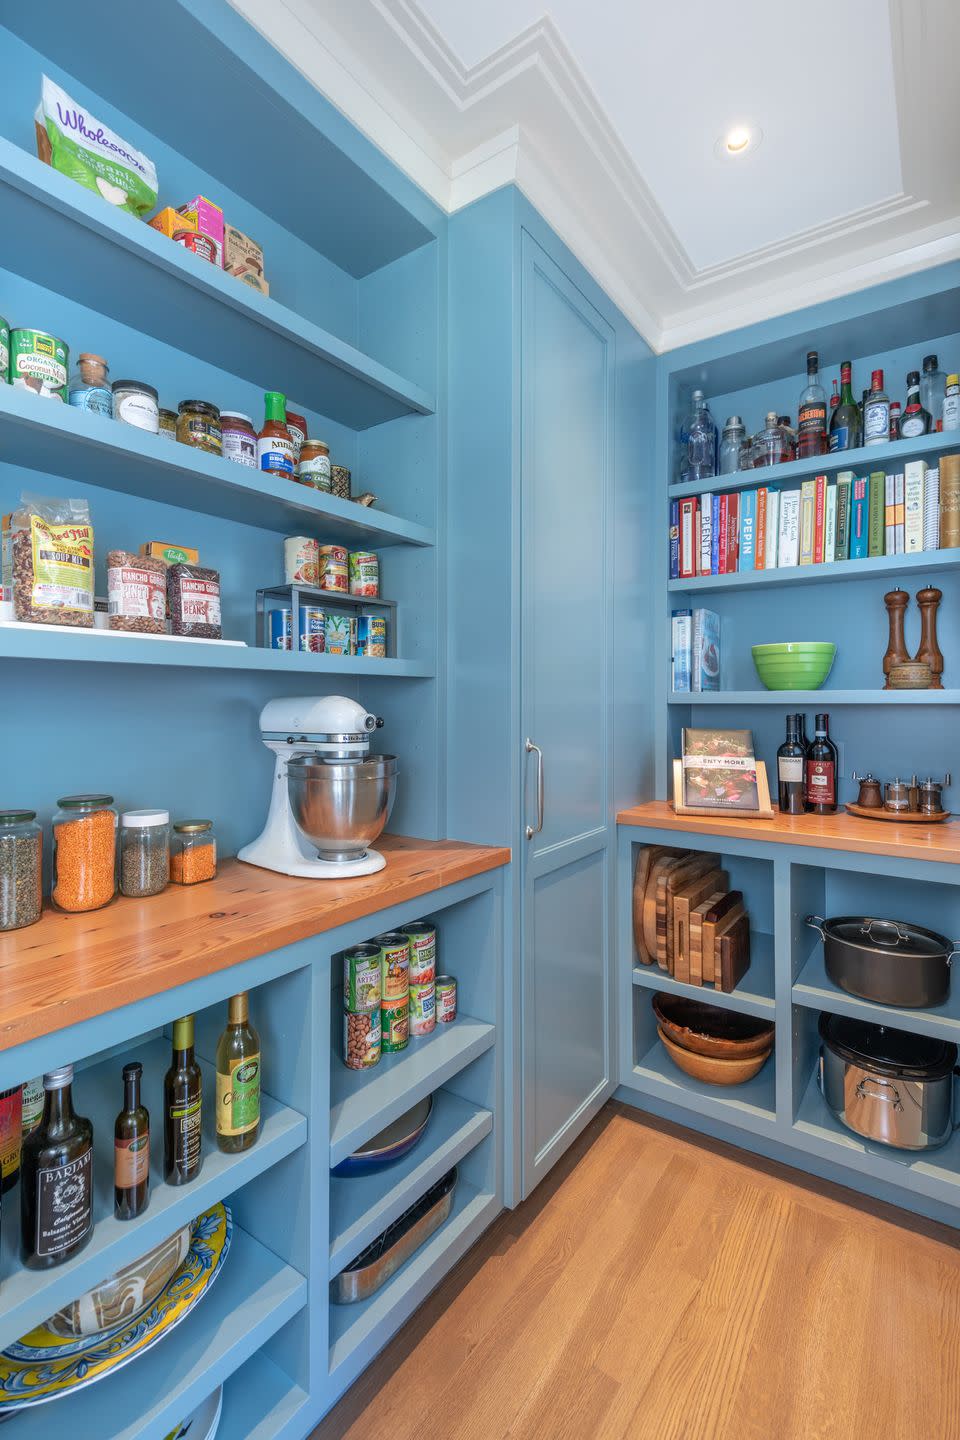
(841, 550)
(859, 518)
(913, 477)
(760, 545)
(949, 501)
(875, 526)
(931, 509)
(773, 529)
(688, 538)
(819, 517)
(899, 517)
(733, 533)
(889, 514)
(680, 626)
(674, 539)
(706, 532)
(830, 525)
(808, 501)
(788, 545)
(748, 530)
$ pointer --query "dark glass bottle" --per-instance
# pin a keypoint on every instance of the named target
(845, 419)
(131, 1149)
(821, 780)
(915, 420)
(238, 1079)
(182, 1109)
(791, 769)
(894, 431)
(812, 413)
(56, 1189)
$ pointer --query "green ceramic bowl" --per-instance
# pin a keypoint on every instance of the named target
(794, 665)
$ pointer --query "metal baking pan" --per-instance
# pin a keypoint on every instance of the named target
(383, 1257)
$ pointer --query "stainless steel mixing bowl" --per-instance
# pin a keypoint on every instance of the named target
(341, 805)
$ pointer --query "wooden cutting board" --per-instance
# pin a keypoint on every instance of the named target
(689, 869)
(658, 868)
(708, 932)
(733, 948)
(646, 859)
(696, 934)
(684, 902)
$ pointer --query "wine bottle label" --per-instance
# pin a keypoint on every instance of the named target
(821, 782)
(10, 1132)
(131, 1161)
(790, 767)
(186, 1119)
(64, 1205)
(32, 1105)
(238, 1097)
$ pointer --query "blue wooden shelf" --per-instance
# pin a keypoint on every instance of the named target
(79, 445)
(878, 567)
(362, 1102)
(791, 475)
(361, 1206)
(21, 643)
(753, 996)
(248, 1303)
(815, 697)
(29, 1296)
(816, 991)
(147, 281)
(260, 1403)
(751, 1105)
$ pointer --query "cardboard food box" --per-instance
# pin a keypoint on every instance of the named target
(168, 221)
(170, 554)
(240, 253)
(208, 219)
(256, 282)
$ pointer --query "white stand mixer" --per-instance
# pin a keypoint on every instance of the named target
(331, 798)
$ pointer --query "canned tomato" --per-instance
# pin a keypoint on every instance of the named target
(300, 560)
(313, 629)
(361, 978)
(394, 964)
(280, 623)
(361, 1039)
(39, 362)
(364, 568)
(395, 1023)
(372, 635)
(333, 568)
(422, 939)
(446, 986)
(201, 245)
(341, 634)
(423, 1008)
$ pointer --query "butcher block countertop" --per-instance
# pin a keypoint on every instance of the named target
(68, 968)
(843, 831)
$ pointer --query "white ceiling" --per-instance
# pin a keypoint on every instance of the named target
(607, 115)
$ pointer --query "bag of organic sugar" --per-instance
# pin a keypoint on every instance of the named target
(69, 139)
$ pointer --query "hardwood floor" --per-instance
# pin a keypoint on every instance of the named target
(661, 1286)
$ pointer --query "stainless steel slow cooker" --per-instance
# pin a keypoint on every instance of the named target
(887, 1085)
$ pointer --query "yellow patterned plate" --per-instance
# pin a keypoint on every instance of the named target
(45, 1372)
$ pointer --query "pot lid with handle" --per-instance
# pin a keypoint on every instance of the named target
(891, 937)
(889, 1052)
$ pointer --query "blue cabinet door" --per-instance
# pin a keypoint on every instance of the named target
(568, 367)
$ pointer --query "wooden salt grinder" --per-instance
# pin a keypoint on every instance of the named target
(929, 652)
(896, 602)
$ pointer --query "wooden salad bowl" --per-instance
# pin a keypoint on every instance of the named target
(711, 1069)
(703, 1029)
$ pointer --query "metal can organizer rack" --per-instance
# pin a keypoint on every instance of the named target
(297, 598)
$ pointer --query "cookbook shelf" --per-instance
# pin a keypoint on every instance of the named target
(897, 567)
(819, 698)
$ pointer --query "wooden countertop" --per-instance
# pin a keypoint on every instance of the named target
(842, 831)
(67, 968)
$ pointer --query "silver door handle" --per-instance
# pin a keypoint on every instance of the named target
(535, 829)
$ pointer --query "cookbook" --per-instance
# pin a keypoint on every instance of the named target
(719, 770)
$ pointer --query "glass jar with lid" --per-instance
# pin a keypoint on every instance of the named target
(313, 467)
(84, 852)
(198, 424)
(734, 434)
(193, 852)
(90, 385)
(144, 852)
(21, 852)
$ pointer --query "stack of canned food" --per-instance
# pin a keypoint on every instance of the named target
(391, 991)
(335, 571)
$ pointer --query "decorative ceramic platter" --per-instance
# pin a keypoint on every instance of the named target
(204, 1423)
(43, 1366)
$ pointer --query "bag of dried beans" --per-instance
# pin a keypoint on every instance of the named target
(52, 544)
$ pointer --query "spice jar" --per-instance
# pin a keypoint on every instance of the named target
(239, 437)
(168, 424)
(136, 403)
(193, 852)
(84, 852)
(21, 851)
(313, 467)
(144, 852)
(198, 424)
(90, 386)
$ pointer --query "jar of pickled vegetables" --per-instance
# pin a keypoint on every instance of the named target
(84, 852)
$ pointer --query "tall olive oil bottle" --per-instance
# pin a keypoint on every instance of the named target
(238, 1079)
(182, 1109)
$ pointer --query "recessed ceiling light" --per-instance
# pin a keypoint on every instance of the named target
(739, 140)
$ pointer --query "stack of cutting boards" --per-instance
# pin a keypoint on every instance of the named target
(687, 920)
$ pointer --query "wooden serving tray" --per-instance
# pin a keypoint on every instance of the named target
(909, 817)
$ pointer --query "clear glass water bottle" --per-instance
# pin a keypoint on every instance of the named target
(701, 432)
(734, 434)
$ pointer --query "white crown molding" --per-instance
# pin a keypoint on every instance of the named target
(526, 115)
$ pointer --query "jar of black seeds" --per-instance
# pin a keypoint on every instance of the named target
(21, 854)
(144, 852)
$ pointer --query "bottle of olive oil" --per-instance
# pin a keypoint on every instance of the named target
(56, 1182)
(182, 1108)
(238, 1079)
(131, 1149)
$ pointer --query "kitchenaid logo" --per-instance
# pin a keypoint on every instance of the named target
(72, 119)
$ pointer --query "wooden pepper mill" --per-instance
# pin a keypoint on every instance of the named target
(929, 652)
(896, 602)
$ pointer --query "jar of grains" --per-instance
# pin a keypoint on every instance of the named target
(21, 851)
(198, 424)
(144, 852)
(193, 852)
(84, 852)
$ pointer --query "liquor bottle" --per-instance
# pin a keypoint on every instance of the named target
(845, 419)
(769, 443)
(56, 1183)
(791, 765)
(812, 413)
(789, 437)
(10, 1137)
(876, 412)
(915, 419)
(834, 400)
(701, 441)
(182, 1109)
(238, 1079)
(821, 781)
(951, 404)
(131, 1149)
(933, 386)
(894, 419)
(32, 1105)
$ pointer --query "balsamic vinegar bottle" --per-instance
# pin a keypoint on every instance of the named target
(791, 769)
(821, 784)
(56, 1180)
(131, 1149)
(238, 1079)
(182, 1109)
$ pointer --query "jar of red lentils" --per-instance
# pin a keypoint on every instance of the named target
(193, 852)
(84, 875)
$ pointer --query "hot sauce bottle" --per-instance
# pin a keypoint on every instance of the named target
(275, 447)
